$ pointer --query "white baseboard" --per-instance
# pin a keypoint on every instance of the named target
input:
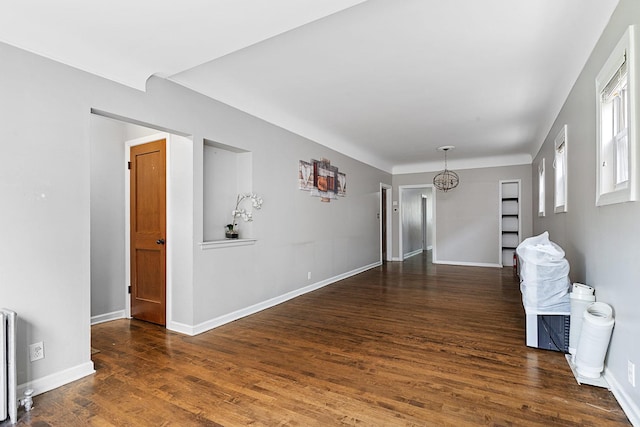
(467, 264)
(397, 259)
(58, 379)
(238, 314)
(630, 408)
(182, 328)
(101, 318)
(414, 253)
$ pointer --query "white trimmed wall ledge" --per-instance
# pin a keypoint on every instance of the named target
(226, 243)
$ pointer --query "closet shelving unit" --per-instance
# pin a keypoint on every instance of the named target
(510, 220)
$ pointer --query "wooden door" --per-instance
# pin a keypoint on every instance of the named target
(148, 231)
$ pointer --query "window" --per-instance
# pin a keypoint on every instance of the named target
(541, 189)
(616, 168)
(560, 168)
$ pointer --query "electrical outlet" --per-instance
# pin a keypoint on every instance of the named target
(309, 276)
(36, 351)
(631, 372)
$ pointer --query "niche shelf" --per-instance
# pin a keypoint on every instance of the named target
(226, 243)
(227, 172)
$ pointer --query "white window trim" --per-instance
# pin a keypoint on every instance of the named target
(542, 181)
(561, 140)
(626, 193)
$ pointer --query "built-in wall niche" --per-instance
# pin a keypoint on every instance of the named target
(510, 221)
(227, 173)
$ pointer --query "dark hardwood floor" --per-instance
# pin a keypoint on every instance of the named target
(405, 344)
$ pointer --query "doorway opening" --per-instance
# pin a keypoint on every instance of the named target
(385, 223)
(417, 220)
(111, 138)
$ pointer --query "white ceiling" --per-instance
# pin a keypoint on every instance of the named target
(384, 81)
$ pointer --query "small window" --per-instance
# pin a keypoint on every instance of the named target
(541, 189)
(560, 168)
(616, 132)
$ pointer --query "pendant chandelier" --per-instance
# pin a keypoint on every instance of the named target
(446, 180)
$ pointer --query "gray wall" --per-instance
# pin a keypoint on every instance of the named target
(466, 218)
(601, 243)
(46, 170)
(296, 233)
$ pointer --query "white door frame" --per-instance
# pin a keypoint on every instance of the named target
(424, 205)
(389, 190)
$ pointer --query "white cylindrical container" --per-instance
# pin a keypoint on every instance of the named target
(581, 296)
(597, 325)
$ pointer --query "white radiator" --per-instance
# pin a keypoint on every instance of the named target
(8, 381)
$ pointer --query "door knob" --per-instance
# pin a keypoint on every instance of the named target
(160, 242)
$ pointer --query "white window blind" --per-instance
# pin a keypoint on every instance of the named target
(541, 188)
(560, 169)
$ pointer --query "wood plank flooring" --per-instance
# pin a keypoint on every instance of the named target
(405, 344)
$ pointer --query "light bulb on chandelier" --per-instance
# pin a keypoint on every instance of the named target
(446, 180)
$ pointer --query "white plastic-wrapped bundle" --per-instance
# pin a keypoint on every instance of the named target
(544, 275)
(597, 325)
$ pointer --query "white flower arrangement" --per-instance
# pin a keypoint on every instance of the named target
(238, 212)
